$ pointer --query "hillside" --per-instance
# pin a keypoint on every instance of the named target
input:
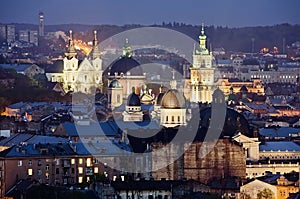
(232, 39)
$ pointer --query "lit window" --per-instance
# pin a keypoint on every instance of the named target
(30, 162)
(80, 179)
(80, 170)
(96, 170)
(80, 161)
(30, 171)
(88, 162)
(39, 172)
(47, 176)
(19, 163)
(72, 161)
(47, 167)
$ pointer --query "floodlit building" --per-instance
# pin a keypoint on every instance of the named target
(201, 82)
(84, 76)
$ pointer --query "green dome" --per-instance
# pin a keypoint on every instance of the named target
(115, 84)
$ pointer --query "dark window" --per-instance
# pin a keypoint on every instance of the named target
(57, 171)
(73, 170)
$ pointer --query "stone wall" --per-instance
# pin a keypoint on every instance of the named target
(202, 161)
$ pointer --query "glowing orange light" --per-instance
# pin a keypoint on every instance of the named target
(83, 46)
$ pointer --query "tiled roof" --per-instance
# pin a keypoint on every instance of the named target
(278, 132)
(17, 67)
(102, 147)
(279, 146)
(34, 150)
(107, 128)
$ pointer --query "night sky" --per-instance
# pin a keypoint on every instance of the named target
(231, 13)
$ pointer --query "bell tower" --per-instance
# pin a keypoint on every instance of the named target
(202, 72)
(70, 72)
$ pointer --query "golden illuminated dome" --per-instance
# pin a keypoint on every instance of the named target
(146, 99)
(173, 100)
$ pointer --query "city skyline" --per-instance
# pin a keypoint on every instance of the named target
(219, 13)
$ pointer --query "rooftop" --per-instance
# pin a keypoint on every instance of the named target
(283, 146)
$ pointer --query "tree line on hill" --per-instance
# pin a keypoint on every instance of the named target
(231, 39)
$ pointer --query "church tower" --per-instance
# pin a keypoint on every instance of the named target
(202, 72)
(70, 66)
(173, 107)
(96, 61)
(115, 94)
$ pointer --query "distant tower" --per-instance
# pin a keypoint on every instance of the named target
(41, 24)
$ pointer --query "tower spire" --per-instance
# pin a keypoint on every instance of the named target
(173, 83)
(127, 51)
(71, 48)
(202, 30)
(95, 52)
(202, 40)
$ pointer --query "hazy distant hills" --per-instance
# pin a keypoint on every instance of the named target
(235, 39)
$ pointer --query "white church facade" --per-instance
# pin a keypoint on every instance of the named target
(84, 76)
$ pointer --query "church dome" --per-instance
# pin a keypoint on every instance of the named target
(125, 64)
(133, 100)
(115, 84)
(244, 89)
(146, 99)
(218, 94)
(159, 98)
(173, 100)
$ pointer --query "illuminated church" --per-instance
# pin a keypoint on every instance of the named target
(80, 76)
(201, 83)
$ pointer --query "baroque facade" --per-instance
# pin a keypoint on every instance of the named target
(76, 76)
(202, 73)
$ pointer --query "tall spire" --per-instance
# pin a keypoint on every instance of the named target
(202, 30)
(127, 51)
(71, 48)
(95, 52)
(173, 83)
(202, 40)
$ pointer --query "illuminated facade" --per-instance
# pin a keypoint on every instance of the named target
(202, 73)
(127, 71)
(85, 77)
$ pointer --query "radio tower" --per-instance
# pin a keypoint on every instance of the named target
(41, 24)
